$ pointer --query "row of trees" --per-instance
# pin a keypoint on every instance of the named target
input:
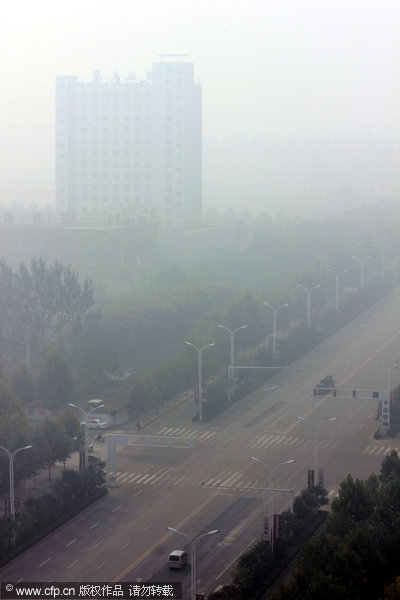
(38, 304)
(356, 555)
(52, 440)
(41, 513)
(52, 388)
(257, 568)
(180, 372)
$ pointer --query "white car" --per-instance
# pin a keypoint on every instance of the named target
(96, 424)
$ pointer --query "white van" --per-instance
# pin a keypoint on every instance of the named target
(177, 559)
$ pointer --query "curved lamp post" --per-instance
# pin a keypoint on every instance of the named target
(11, 456)
(232, 334)
(308, 290)
(316, 442)
(337, 275)
(382, 249)
(193, 543)
(274, 324)
(362, 261)
(200, 374)
(271, 494)
(86, 427)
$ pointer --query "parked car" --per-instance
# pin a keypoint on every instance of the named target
(96, 424)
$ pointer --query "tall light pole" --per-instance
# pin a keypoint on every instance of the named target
(362, 261)
(316, 444)
(86, 413)
(271, 494)
(11, 456)
(391, 364)
(193, 543)
(200, 373)
(308, 290)
(274, 324)
(337, 275)
(232, 334)
(382, 249)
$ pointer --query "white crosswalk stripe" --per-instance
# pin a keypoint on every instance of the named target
(379, 450)
(264, 441)
(195, 434)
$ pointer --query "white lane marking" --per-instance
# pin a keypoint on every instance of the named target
(116, 508)
(102, 565)
(70, 543)
(72, 564)
(124, 546)
(232, 479)
(44, 562)
(102, 540)
(177, 481)
(95, 525)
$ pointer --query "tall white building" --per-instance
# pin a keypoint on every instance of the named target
(131, 148)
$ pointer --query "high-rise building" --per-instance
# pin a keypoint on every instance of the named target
(131, 148)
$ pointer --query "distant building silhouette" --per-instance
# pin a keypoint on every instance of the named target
(131, 148)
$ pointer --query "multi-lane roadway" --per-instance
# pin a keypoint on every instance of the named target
(124, 537)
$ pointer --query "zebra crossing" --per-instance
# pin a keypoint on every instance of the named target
(379, 450)
(166, 477)
(266, 440)
(232, 479)
(163, 476)
(193, 434)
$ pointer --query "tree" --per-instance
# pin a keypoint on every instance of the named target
(51, 444)
(353, 504)
(390, 467)
(14, 434)
(23, 386)
(55, 382)
(309, 501)
(71, 427)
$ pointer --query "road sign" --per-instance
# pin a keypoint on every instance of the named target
(277, 527)
(321, 476)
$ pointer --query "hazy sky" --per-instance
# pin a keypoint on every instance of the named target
(269, 68)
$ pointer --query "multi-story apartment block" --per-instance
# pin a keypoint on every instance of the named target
(131, 148)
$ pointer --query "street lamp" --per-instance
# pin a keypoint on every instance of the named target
(200, 372)
(316, 443)
(232, 333)
(11, 456)
(362, 261)
(337, 275)
(271, 494)
(308, 290)
(382, 249)
(391, 364)
(193, 543)
(86, 413)
(274, 324)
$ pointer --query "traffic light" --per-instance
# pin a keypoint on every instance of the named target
(354, 393)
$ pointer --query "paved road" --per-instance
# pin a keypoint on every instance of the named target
(214, 485)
